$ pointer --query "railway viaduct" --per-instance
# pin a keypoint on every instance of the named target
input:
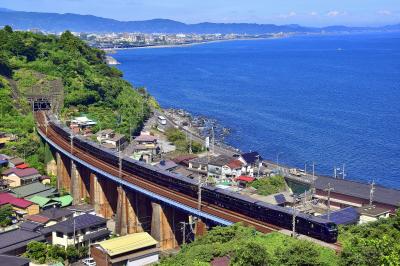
(132, 208)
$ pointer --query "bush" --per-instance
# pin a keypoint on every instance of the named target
(269, 185)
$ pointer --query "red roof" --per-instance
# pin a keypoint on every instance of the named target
(22, 166)
(235, 164)
(21, 172)
(6, 198)
(37, 218)
(245, 178)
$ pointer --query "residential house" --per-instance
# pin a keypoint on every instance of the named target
(37, 218)
(146, 147)
(111, 140)
(15, 242)
(82, 125)
(79, 230)
(218, 169)
(234, 169)
(184, 159)
(4, 185)
(252, 161)
(80, 209)
(32, 189)
(56, 215)
(18, 177)
(64, 201)
(134, 249)
(371, 213)
(199, 165)
(13, 162)
(243, 180)
(43, 202)
(20, 206)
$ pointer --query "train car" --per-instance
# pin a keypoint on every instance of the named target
(305, 224)
(276, 215)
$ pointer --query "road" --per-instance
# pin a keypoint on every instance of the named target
(218, 149)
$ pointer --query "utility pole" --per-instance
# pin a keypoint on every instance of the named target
(277, 160)
(343, 174)
(334, 171)
(294, 215)
(313, 179)
(305, 169)
(329, 189)
(190, 139)
(213, 139)
(74, 233)
(258, 166)
(199, 195)
(371, 192)
(183, 228)
(119, 159)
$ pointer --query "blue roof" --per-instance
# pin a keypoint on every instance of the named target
(280, 198)
(344, 216)
(252, 157)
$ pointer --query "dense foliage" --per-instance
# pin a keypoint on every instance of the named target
(27, 144)
(269, 185)
(5, 213)
(374, 243)
(90, 85)
(40, 252)
(181, 141)
(244, 246)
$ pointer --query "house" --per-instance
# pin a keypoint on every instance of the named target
(4, 185)
(252, 161)
(18, 177)
(217, 167)
(184, 159)
(134, 249)
(351, 193)
(14, 242)
(79, 230)
(64, 201)
(145, 138)
(234, 169)
(13, 162)
(20, 206)
(371, 213)
(79, 209)
(45, 180)
(37, 218)
(199, 165)
(166, 165)
(33, 189)
(43, 202)
(56, 215)
(111, 140)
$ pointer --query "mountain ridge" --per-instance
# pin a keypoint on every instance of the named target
(56, 22)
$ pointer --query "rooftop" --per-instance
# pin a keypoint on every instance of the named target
(372, 211)
(56, 213)
(37, 218)
(16, 161)
(220, 160)
(25, 172)
(235, 164)
(359, 190)
(343, 216)
(166, 164)
(81, 222)
(252, 157)
(13, 260)
(128, 243)
(81, 208)
(35, 188)
(64, 200)
(245, 178)
(145, 138)
(17, 238)
(7, 198)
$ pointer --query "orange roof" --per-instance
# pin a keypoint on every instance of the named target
(234, 164)
(22, 166)
(245, 178)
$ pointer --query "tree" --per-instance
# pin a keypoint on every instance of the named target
(72, 254)
(55, 253)
(298, 253)
(5, 215)
(36, 251)
(250, 254)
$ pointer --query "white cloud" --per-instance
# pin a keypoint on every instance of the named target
(313, 13)
(290, 14)
(335, 13)
(384, 12)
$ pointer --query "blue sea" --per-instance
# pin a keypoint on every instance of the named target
(333, 100)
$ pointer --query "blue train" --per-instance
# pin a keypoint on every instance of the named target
(280, 216)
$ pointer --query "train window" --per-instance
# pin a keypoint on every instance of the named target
(312, 225)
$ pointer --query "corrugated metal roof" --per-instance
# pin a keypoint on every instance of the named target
(127, 243)
(64, 200)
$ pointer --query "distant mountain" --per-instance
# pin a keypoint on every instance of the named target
(87, 23)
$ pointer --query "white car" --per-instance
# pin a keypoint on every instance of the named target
(89, 262)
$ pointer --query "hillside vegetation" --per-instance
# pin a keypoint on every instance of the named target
(90, 86)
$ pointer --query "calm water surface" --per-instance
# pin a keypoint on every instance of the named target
(331, 100)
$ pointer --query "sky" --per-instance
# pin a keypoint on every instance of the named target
(304, 12)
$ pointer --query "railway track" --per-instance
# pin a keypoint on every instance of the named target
(145, 184)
